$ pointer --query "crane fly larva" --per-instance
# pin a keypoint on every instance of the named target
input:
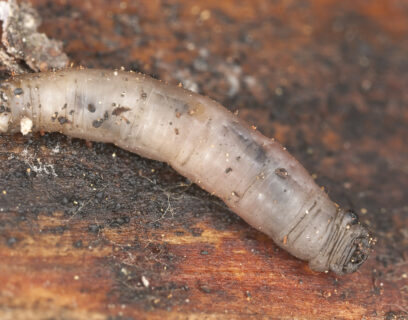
(254, 175)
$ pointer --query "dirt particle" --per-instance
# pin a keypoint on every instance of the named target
(91, 107)
(4, 109)
(281, 173)
(94, 228)
(97, 123)
(118, 222)
(3, 96)
(196, 232)
(205, 289)
(11, 241)
(78, 244)
(62, 120)
(119, 110)
(145, 282)
(248, 295)
(18, 91)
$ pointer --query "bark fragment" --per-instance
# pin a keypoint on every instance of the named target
(23, 48)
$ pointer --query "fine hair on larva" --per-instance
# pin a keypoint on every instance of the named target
(254, 175)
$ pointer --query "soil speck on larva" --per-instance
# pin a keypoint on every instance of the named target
(281, 173)
(97, 123)
(119, 110)
(91, 108)
(62, 120)
(18, 91)
(4, 109)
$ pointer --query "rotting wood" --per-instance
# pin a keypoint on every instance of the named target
(344, 68)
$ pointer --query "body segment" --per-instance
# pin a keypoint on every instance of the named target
(203, 141)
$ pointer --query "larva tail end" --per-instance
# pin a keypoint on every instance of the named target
(359, 253)
(356, 245)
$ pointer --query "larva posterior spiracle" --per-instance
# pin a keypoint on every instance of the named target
(203, 141)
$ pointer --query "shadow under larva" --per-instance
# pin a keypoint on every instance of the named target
(254, 175)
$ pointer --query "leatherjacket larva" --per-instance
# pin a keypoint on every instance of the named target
(254, 175)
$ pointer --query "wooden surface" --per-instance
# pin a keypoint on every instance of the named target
(88, 231)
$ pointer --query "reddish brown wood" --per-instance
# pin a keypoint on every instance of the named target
(93, 232)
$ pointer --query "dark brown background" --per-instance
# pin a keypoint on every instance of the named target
(327, 78)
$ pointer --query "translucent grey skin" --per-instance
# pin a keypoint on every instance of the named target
(203, 141)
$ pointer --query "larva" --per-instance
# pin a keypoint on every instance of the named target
(203, 141)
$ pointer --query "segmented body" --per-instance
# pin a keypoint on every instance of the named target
(255, 176)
